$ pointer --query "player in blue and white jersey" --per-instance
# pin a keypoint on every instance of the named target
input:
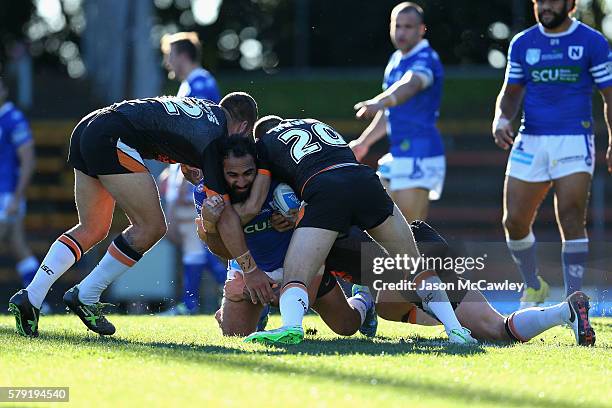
(268, 236)
(407, 111)
(552, 68)
(17, 162)
(182, 55)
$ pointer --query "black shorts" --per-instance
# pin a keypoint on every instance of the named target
(96, 148)
(328, 282)
(339, 198)
(350, 253)
(345, 259)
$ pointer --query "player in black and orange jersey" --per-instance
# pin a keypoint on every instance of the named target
(107, 149)
(339, 193)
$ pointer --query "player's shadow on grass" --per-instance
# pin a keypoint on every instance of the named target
(311, 346)
(241, 360)
(381, 346)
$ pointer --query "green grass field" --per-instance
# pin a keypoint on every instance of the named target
(166, 362)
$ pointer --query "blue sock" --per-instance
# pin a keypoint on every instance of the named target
(27, 269)
(216, 268)
(574, 255)
(525, 256)
(192, 277)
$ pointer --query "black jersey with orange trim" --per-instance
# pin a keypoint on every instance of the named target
(297, 149)
(177, 130)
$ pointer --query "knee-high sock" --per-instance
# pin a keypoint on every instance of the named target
(192, 277)
(436, 300)
(525, 324)
(293, 303)
(26, 268)
(118, 259)
(574, 255)
(64, 253)
(525, 257)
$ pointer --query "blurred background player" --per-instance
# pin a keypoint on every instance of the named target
(407, 111)
(17, 162)
(554, 65)
(182, 57)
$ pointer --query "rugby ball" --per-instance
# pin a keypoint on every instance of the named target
(284, 199)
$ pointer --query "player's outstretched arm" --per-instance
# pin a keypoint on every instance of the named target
(506, 107)
(398, 93)
(606, 94)
(375, 131)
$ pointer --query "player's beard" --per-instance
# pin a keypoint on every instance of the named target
(558, 19)
(239, 196)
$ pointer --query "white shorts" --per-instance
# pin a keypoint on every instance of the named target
(233, 268)
(544, 158)
(414, 172)
(5, 199)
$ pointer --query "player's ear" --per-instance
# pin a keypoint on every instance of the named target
(422, 29)
(244, 127)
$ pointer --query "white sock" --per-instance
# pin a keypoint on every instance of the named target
(64, 253)
(359, 304)
(527, 323)
(437, 302)
(293, 305)
(112, 265)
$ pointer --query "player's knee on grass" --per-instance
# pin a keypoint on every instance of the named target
(335, 311)
(343, 327)
(238, 318)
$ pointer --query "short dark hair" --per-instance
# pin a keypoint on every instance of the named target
(241, 106)
(408, 7)
(263, 125)
(238, 146)
(185, 43)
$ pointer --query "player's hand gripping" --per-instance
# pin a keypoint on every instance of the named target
(212, 208)
(260, 286)
(503, 133)
(281, 223)
(609, 158)
(192, 174)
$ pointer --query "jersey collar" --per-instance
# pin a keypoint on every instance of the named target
(570, 30)
(417, 48)
(5, 108)
(195, 73)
